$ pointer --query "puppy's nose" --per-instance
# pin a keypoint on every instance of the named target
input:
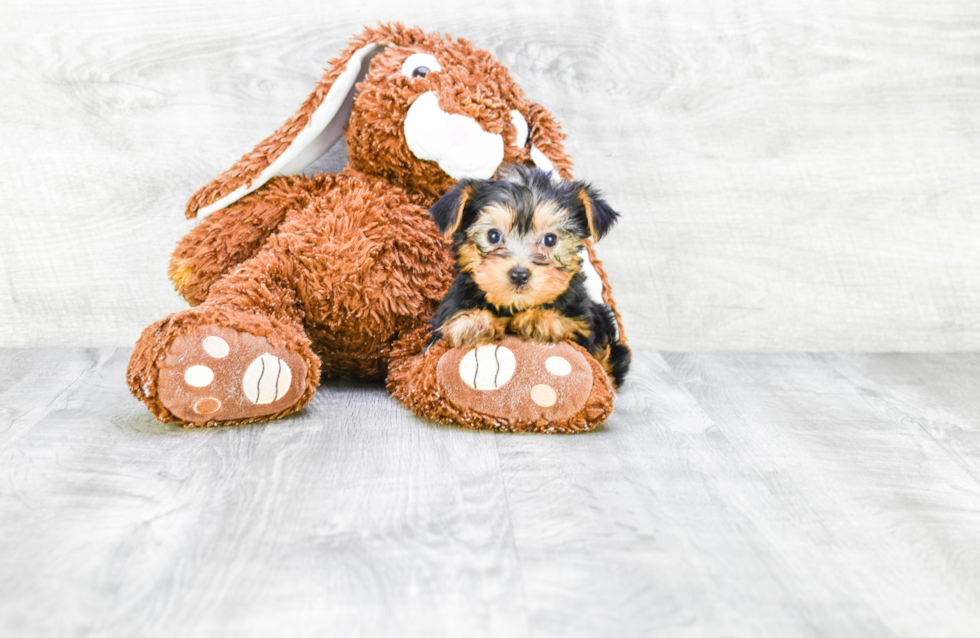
(519, 276)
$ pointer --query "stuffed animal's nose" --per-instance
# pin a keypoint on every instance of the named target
(519, 276)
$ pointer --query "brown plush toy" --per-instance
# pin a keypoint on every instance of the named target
(295, 276)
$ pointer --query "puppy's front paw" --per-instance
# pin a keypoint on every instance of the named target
(475, 328)
(546, 326)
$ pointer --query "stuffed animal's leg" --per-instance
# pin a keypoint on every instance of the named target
(242, 356)
(231, 236)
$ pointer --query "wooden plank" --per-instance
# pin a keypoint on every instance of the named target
(938, 392)
(861, 511)
(33, 382)
(351, 518)
(730, 494)
(658, 524)
(744, 495)
(789, 178)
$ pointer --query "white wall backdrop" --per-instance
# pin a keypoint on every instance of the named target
(791, 175)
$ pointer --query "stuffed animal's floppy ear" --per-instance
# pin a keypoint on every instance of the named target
(547, 150)
(305, 136)
(598, 214)
(447, 213)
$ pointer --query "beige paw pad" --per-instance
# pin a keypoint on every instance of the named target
(199, 376)
(267, 379)
(216, 347)
(558, 366)
(544, 395)
(207, 405)
(487, 367)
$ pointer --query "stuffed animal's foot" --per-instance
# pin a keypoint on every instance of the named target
(217, 373)
(513, 384)
(212, 374)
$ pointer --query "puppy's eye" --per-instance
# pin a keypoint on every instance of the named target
(549, 240)
(494, 236)
(419, 65)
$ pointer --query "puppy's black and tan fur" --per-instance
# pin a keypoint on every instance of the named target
(518, 243)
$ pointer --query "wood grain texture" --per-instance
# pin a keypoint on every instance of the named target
(792, 175)
(352, 518)
(854, 506)
(730, 494)
(938, 394)
(34, 382)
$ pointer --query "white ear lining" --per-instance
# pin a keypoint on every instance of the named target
(325, 127)
(330, 118)
(541, 161)
(593, 284)
(520, 124)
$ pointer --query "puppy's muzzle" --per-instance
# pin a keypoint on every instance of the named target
(519, 276)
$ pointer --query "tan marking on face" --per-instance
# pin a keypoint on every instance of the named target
(493, 278)
(469, 258)
(492, 217)
(546, 284)
(549, 217)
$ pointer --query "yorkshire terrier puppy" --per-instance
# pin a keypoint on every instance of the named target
(518, 243)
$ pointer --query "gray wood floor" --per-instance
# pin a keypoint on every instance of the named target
(730, 494)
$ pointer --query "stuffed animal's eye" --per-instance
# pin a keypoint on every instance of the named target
(494, 236)
(549, 240)
(418, 65)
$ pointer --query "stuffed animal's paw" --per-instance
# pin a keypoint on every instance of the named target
(215, 373)
(512, 384)
(517, 379)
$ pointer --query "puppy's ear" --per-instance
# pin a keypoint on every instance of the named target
(447, 213)
(599, 216)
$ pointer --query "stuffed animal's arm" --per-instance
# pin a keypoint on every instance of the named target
(229, 237)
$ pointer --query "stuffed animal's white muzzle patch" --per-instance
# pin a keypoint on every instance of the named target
(458, 144)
